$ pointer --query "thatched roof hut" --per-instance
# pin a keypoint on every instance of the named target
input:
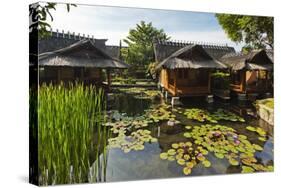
(83, 53)
(251, 73)
(186, 72)
(164, 49)
(255, 60)
(190, 57)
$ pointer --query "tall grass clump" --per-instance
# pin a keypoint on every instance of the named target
(70, 133)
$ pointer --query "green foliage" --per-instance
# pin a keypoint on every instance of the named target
(219, 74)
(203, 115)
(39, 13)
(70, 122)
(226, 142)
(186, 155)
(135, 141)
(127, 80)
(151, 69)
(220, 80)
(161, 113)
(141, 93)
(255, 31)
(140, 44)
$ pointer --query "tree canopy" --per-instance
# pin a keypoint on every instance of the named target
(38, 16)
(140, 44)
(254, 31)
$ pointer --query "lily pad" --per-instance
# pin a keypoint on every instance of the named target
(188, 127)
(219, 155)
(260, 131)
(263, 139)
(181, 161)
(206, 163)
(134, 141)
(189, 165)
(171, 151)
(186, 156)
(247, 169)
(186, 171)
(175, 146)
(257, 147)
(250, 128)
(233, 162)
(187, 135)
(164, 156)
(171, 158)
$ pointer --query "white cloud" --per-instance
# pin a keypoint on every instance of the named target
(105, 23)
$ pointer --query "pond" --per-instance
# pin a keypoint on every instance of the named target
(221, 143)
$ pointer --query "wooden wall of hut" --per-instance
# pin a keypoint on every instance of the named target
(56, 75)
(256, 81)
(186, 82)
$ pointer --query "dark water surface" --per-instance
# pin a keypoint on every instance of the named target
(146, 164)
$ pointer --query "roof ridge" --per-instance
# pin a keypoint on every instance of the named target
(185, 43)
(71, 35)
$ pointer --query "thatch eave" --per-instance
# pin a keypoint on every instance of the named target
(190, 57)
(73, 56)
(255, 60)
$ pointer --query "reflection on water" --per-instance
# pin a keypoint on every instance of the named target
(146, 164)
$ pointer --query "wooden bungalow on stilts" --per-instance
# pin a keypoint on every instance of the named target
(251, 74)
(81, 61)
(187, 71)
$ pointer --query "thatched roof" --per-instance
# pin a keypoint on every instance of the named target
(80, 54)
(255, 60)
(163, 49)
(58, 40)
(192, 57)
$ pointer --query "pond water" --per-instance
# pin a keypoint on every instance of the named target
(146, 163)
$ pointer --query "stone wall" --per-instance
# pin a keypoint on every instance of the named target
(265, 113)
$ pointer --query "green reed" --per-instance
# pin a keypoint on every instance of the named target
(70, 133)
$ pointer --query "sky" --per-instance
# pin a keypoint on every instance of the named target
(114, 23)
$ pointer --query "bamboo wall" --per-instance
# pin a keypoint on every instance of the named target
(69, 74)
(185, 82)
(251, 82)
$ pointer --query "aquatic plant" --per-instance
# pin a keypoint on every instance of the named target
(141, 93)
(186, 155)
(259, 131)
(199, 115)
(135, 141)
(70, 120)
(222, 114)
(203, 115)
(225, 142)
(160, 113)
(122, 123)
